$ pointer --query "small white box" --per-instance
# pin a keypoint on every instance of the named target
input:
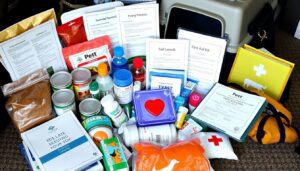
(61, 144)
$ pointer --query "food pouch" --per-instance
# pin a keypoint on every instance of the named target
(185, 155)
(88, 54)
(72, 32)
(29, 100)
(27, 24)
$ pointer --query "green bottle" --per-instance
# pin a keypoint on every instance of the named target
(94, 90)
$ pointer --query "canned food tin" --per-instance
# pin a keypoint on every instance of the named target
(99, 128)
(63, 100)
(81, 81)
(61, 80)
(89, 107)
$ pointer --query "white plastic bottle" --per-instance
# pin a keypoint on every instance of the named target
(113, 110)
(104, 80)
(163, 134)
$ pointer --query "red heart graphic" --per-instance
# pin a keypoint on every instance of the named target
(155, 107)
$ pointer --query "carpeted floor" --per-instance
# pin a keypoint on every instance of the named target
(252, 156)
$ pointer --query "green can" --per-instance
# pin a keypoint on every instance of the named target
(61, 80)
(89, 107)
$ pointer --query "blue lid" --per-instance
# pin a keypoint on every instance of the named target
(122, 78)
(118, 51)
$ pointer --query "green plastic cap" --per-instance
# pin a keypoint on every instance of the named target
(94, 86)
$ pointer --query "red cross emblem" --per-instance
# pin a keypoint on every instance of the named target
(215, 140)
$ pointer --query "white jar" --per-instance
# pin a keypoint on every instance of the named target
(123, 86)
(113, 110)
(161, 134)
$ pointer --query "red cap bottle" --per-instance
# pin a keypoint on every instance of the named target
(138, 71)
(194, 101)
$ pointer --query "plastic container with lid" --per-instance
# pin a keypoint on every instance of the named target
(104, 80)
(99, 128)
(123, 86)
(194, 101)
(81, 80)
(138, 71)
(113, 110)
(119, 62)
(61, 80)
(89, 107)
(63, 100)
(162, 134)
(154, 107)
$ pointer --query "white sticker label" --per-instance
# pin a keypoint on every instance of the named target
(91, 57)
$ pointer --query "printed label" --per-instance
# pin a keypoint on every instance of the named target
(123, 94)
(159, 134)
(100, 133)
(82, 91)
(91, 58)
(70, 87)
(118, 116)
(113, 154)
(63, 109)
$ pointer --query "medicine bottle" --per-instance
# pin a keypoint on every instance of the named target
(94, 90)
(104, 80)
(162, 134)
(113, 110)
(119, 62)
(138, 71)
(123, 86)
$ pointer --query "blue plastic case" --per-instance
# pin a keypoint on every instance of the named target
(148, 107)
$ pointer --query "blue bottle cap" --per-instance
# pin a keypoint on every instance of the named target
(122, 78)
(118, 51)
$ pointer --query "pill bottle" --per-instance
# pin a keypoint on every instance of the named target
(113, 110)
(123, 86)
(138, 71)
(104, 80)
(161, 134)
